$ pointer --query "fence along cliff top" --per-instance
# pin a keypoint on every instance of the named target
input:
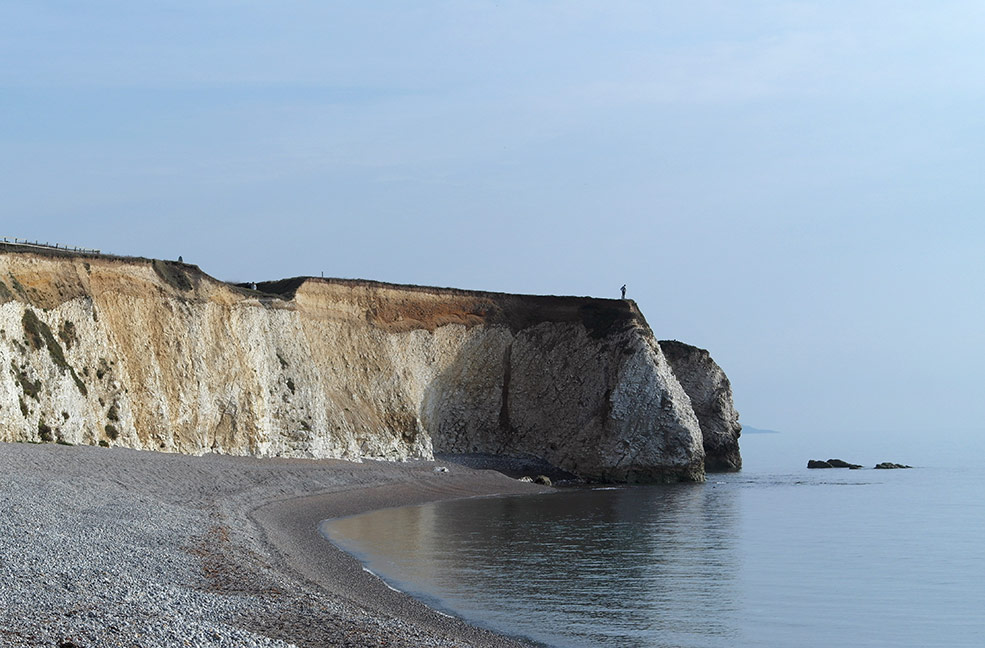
(47, 246)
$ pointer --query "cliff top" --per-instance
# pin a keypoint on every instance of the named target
(388, 305)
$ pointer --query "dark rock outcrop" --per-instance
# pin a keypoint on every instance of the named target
(832, 463)
(711, 398)
(888, 465)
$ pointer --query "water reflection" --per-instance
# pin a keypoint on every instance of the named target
(642, 566)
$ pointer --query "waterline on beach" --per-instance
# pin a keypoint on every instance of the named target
(805, 557)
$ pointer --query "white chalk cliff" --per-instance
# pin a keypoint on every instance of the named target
(158, 355)
(711, 398)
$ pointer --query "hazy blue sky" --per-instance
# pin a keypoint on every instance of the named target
(796, 186)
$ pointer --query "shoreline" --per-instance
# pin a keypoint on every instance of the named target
(117, 547)
(293, 528)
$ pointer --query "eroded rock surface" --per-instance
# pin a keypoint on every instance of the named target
(710, 393)
(158, 355)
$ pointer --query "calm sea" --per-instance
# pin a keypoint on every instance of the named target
(765, 557)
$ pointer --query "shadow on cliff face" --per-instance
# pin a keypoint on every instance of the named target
(546, 392)
(462, 407)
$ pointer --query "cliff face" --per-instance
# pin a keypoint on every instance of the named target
(711, 397)
(157, 355)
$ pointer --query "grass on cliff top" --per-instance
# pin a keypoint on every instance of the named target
(283, 288)
(172, 274)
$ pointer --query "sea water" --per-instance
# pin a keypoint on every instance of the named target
(764, 557)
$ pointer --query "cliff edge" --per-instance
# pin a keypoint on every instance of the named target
(158, 355)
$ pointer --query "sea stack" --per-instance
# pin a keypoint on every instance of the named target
(711, 398)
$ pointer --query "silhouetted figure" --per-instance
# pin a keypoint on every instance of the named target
(623, 289)
(180, 260)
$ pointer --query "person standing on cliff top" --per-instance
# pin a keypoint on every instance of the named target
(623, 289)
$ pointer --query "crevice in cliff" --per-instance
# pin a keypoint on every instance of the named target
(710, 393)
(504, 408)
(607, 405)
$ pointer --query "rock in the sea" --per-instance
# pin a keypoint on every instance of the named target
(838, 463)
(711, 397)
(888, 465)
(817, 463)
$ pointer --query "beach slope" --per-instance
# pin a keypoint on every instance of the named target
(118, 547)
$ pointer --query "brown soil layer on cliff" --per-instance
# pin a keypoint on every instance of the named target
(65, 253)
(239, 535)
(50, 283)
(516, 312)
(401, 307)
(395, 307)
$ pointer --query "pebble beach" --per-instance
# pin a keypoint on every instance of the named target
(116, 547)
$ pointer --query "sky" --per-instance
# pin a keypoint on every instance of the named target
(795, 186)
